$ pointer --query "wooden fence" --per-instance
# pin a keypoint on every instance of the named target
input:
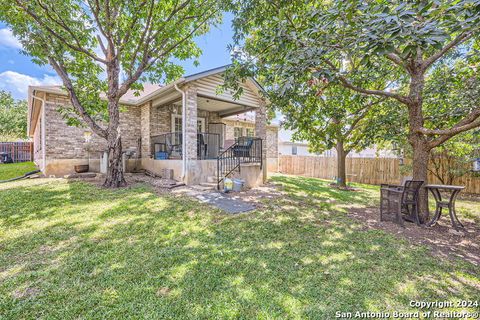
(19, 151)
(362, 170)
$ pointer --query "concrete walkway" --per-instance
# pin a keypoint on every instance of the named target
(223, 201)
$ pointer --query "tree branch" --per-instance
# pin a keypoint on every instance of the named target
(146, 62)
(395, 59)
(363, 114)
(382, 93)
(349, 85)
(458, 40)
(60, 69)
(469, 122)
(74, 47)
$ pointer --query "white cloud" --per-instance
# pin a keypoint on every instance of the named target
(17, 83)
(7, 39)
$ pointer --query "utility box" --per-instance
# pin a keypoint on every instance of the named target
(167, 173)
(104, 163)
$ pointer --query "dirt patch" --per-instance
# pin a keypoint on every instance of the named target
(29, 292)
(443, 240)
(259, 195)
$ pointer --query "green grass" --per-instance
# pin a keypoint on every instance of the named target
(70, 250)
(12, 170)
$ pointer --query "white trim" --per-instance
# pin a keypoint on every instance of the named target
(179, 116)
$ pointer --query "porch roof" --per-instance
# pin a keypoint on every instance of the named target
(207, 83)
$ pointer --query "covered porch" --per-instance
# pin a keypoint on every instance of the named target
(183, 130)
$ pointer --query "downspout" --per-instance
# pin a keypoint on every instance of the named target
(42, 133)
(184, 136)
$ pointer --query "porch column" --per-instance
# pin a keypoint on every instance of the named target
(191, 123)
(261, 132)
(145, 115)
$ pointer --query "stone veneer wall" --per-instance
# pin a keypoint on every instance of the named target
(68, 142)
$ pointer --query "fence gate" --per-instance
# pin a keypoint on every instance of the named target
(19, 151)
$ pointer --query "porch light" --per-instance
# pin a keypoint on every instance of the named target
(87, 135)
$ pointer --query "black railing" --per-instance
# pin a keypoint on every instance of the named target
(169, 146)
(244, 150)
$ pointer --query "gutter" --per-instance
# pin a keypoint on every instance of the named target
(42, 133)
(184, 136)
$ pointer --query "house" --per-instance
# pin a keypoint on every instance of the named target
(286, 146)
(187, 126)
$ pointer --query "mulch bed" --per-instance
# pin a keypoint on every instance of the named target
(442, 239)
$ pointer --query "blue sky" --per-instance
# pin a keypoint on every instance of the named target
(17, 71)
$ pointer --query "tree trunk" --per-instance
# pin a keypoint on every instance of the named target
(341, 168)
(418, 141)
(421, 154)
(115, 177)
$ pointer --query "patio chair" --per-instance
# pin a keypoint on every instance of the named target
(174, 144)
(201, 147)
(400, 201)
(243, 147)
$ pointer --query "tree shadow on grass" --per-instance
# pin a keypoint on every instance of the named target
(321, 190)
(165, 257)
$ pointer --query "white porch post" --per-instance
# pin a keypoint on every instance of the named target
(261, 132)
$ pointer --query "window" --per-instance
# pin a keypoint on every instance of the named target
(237, 132)
(294, 150)
(250, 132)
(177, 123)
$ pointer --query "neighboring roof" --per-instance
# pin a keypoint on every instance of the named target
(148, 88)
(291, 143)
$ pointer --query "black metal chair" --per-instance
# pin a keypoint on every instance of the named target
(201, 147)
(400, 201)
(243, 147)
(174, 144)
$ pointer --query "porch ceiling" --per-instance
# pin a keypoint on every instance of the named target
(224, 108)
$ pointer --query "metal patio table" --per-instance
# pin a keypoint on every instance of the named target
(435, 190)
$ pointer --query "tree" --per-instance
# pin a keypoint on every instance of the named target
(453, 159)
(334, 118)
(103, 48)
(13, 118)
(349, 42)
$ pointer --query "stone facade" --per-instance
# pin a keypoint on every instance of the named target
(191, 123)
(145, 129)
(272, 142)
(69, 142)
(66, 146)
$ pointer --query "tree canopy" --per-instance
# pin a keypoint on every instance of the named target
(102, 48)
(13, 118)
(359, 44)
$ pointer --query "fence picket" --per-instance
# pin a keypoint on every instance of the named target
(19, 151)
(362, 170)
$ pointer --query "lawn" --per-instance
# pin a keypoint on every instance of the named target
(72, 250)
(12, 170)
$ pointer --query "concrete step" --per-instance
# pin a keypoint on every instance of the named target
(209, 184)
(212, 179)
(201, 187)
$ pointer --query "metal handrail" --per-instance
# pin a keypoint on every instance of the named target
(244, 150)
(170, 145)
